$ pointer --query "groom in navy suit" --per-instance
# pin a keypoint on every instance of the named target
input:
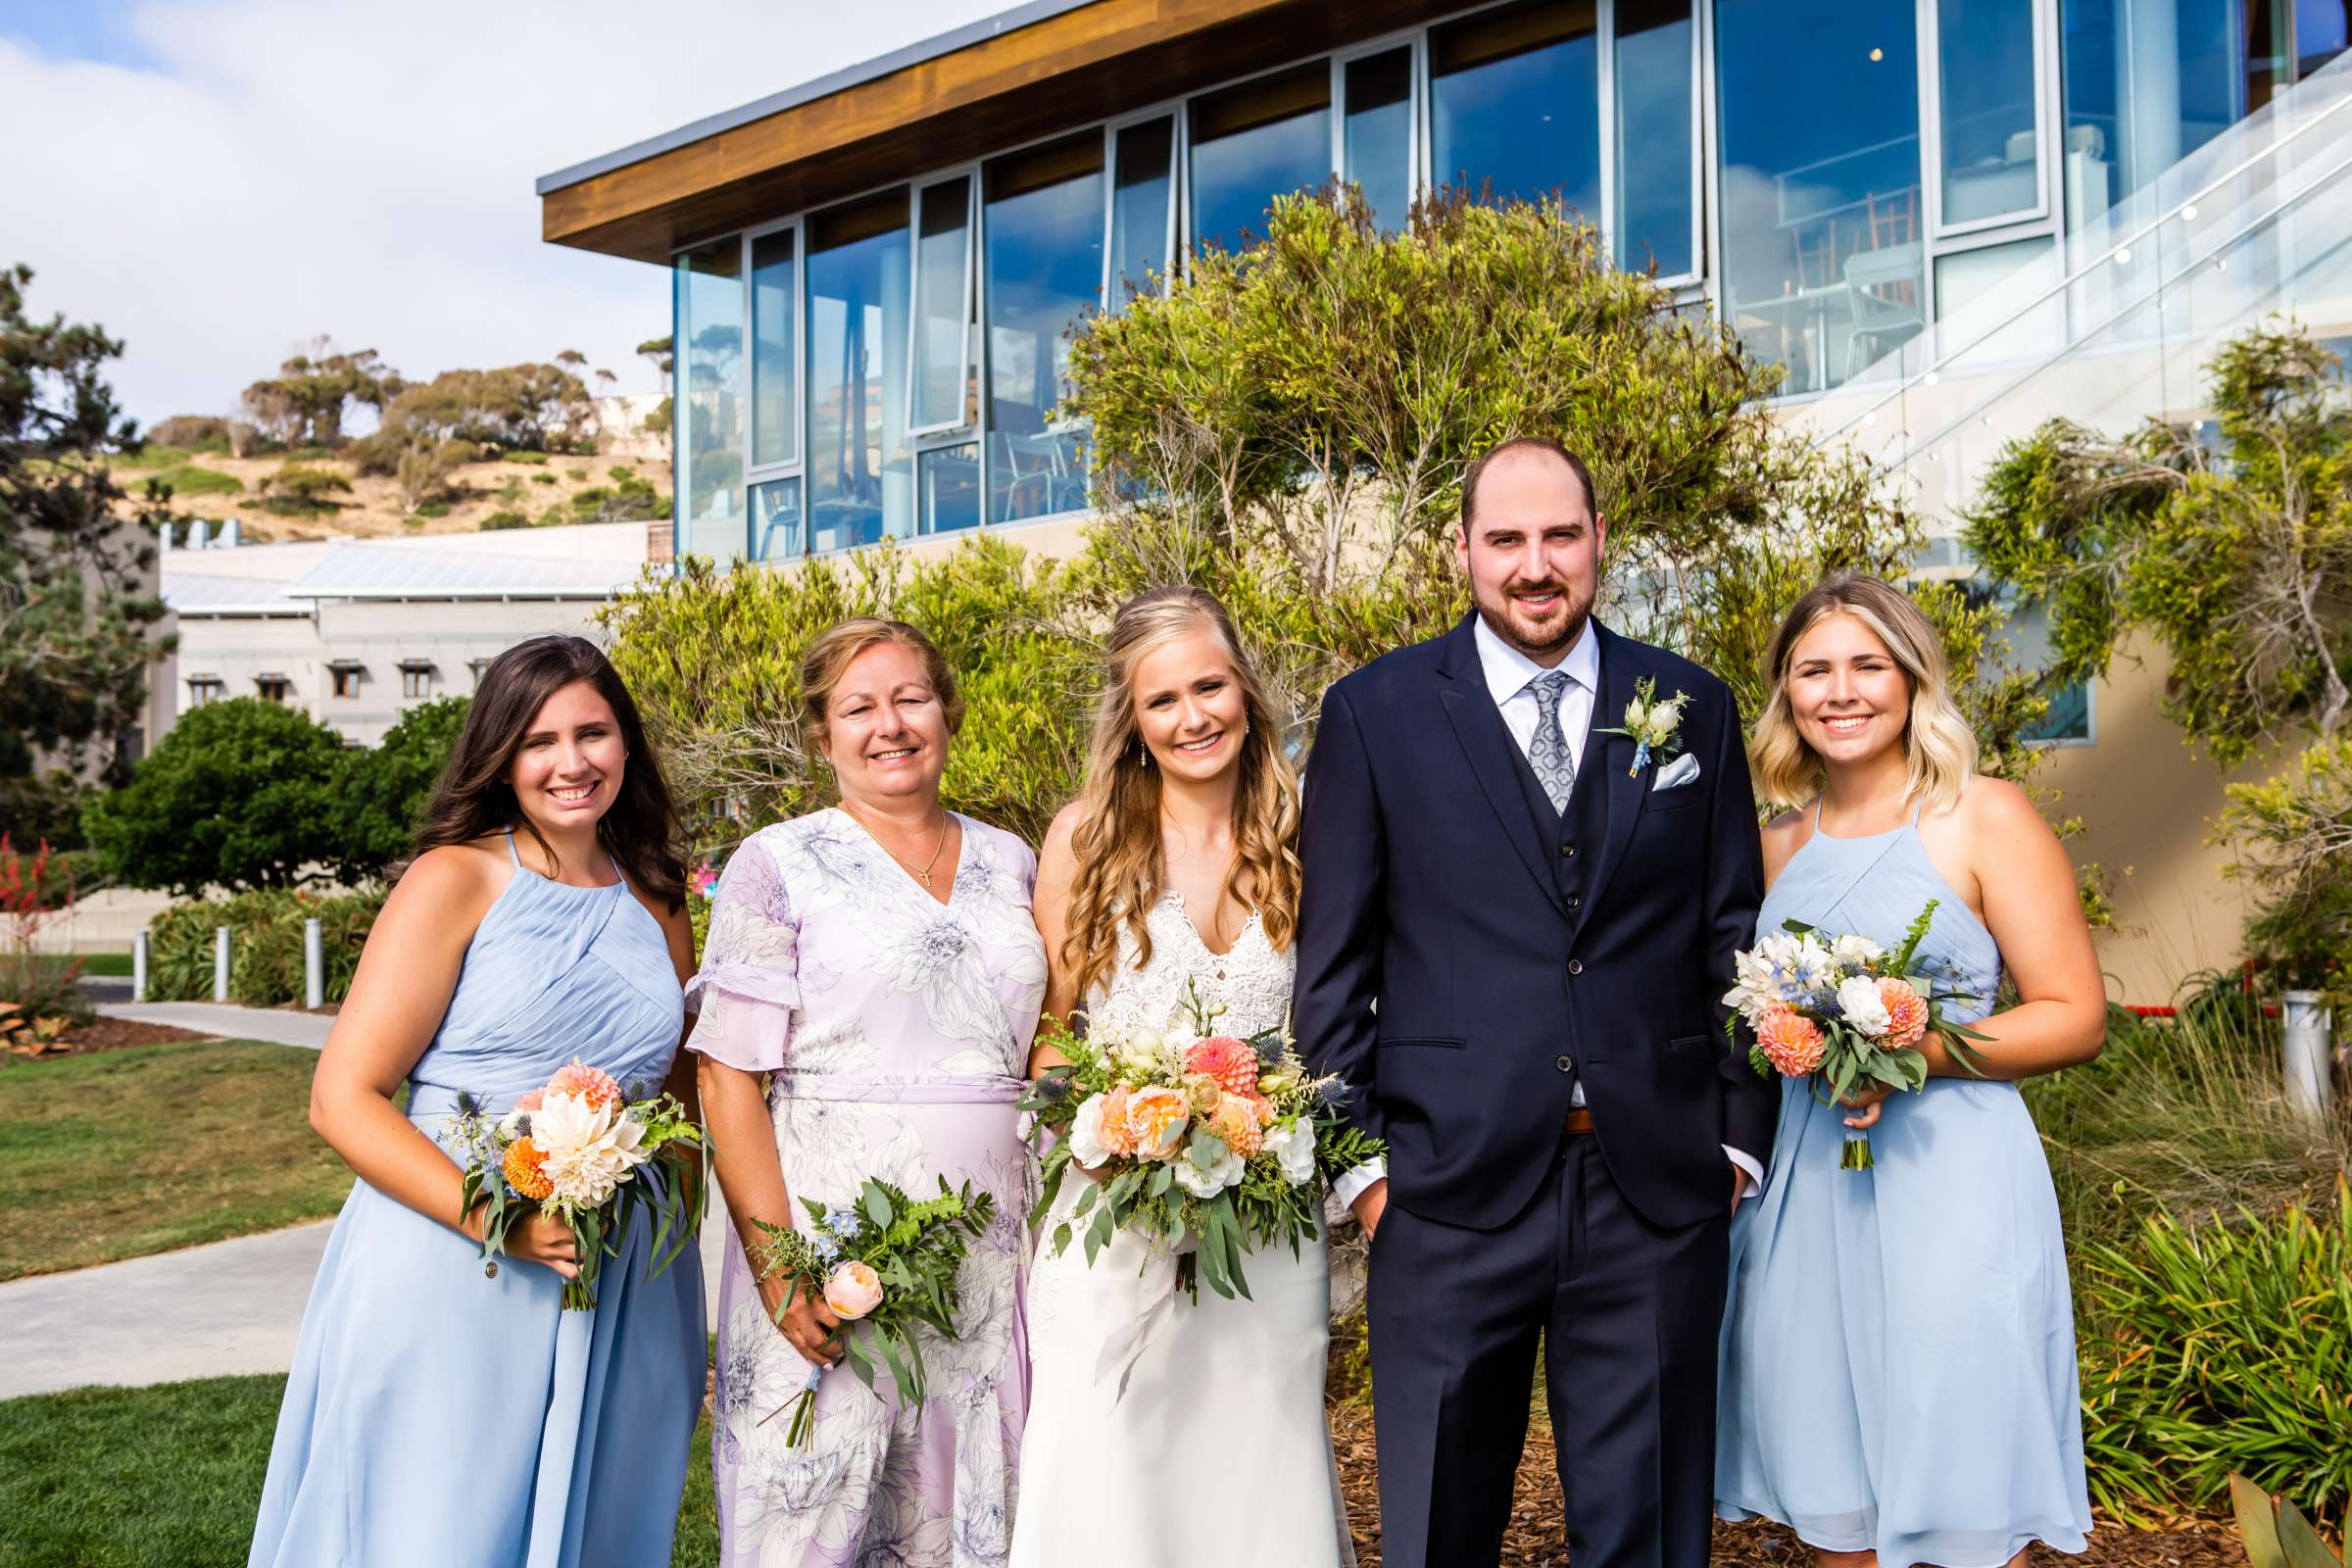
(1513, 934)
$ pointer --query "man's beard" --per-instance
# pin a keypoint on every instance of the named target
(1538, 644)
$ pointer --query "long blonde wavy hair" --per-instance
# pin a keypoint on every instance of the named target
(1121, 873)
(1938, 745)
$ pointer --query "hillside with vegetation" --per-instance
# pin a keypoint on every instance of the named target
(514, 447)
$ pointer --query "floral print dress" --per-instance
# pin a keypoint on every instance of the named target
(895, 1030)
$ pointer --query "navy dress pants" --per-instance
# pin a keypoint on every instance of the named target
(1627, 1314)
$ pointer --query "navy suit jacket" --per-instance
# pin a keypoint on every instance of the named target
(1447, 977)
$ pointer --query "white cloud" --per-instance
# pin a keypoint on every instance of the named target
(281, 167)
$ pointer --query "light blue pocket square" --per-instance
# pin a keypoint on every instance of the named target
(1675, 774)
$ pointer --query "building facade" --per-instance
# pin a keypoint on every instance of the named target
(1943, 219)
(355, 632)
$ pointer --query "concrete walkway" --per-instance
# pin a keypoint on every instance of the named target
(201, 1312)
(277, 1025)
(210, 1312)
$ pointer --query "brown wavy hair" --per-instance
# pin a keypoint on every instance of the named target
(473, 800)
(829, 658)
(1121, 872)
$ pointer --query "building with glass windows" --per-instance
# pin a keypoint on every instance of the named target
(1944, 218)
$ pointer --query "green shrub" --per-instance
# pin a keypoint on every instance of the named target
(503, 519)
(186, 479)
(526, 456)
(543, 478)
(433, 508)
(190, 432)
(265, 944)
(2221, 1348)
(238, 795)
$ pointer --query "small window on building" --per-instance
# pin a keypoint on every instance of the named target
(346, 675)
(416, 677)
(273, 688)
(202, 689)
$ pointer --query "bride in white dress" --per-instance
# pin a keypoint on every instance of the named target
(1176, 867)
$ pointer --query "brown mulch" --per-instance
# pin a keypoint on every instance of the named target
(1537, 1536)
(109, 1034)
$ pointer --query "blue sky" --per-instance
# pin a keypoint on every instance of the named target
(219, 182)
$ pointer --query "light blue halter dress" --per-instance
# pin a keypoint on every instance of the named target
(1898, 1365)
(438, 1416)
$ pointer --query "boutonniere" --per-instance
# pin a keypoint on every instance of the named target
(1654, 723)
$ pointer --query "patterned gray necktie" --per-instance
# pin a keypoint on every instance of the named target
(1548, 751)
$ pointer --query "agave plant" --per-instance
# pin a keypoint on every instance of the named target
(2275, 1532)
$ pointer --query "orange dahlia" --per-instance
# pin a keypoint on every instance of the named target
(1907, 1009)
(1792, 1041)
(1230, 1062)
(526, 1169)
(1155, 1119)
(591, 1084)
(1235, 1121)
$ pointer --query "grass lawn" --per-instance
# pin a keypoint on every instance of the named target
(169, 1477)
(124, 1152)
(114, 965)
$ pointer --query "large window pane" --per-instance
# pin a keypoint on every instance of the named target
(707, 348)
(775, 294)
(1820, 182)
(1379, 133)
(944, 376)
(2148, 82)
(1984, 75)
(779, 531)
(1043, 230)
(2322, 30)
(1254, 142)
(1514, 103)
(860, 470)
(1143, 189)
(1655, 162)
(1981, 302)
(950, 480)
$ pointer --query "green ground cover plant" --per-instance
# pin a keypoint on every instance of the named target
(121, 1153)
(113, 966)
(169, 1477)
(265, 944)
(188, 479)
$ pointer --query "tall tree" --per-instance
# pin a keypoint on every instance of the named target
(74, 619)
(306, 403)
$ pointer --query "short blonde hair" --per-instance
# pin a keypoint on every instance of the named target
(829, 658)
(1939, 743)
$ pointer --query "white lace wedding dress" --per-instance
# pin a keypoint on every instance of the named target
(1219, 1453)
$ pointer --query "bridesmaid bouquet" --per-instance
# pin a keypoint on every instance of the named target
(1191, 1134)
(887, 1263)
(577, 1151)
(1844, 1011)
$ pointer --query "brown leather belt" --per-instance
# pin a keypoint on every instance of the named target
(1580, 1119)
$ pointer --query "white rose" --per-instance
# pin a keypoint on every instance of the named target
(1292, 1145)
(1222, 1173)
(1858, 1000)
(1086, 1134)
(1853, 952)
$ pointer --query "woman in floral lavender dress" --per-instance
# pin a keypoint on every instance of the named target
(868, 995)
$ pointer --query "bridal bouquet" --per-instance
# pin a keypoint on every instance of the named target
(1845, 1012)
(578, 1152)
(883, 1265)
(1191, 1135)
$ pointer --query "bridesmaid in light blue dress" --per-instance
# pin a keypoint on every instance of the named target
(438, 1411)
(1898, 1380)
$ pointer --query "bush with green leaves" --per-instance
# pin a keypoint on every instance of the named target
(2219, 1348)
(2235, 555)
(266, 966)
(239, 794)
(382, 790)
(504, 518)
(712, 659)
(304, 490)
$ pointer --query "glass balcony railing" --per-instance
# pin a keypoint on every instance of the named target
(2256, 223)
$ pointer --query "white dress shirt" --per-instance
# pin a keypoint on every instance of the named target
(1510, 675)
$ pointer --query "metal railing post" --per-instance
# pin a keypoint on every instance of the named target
(138, 967)
(219, 964)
